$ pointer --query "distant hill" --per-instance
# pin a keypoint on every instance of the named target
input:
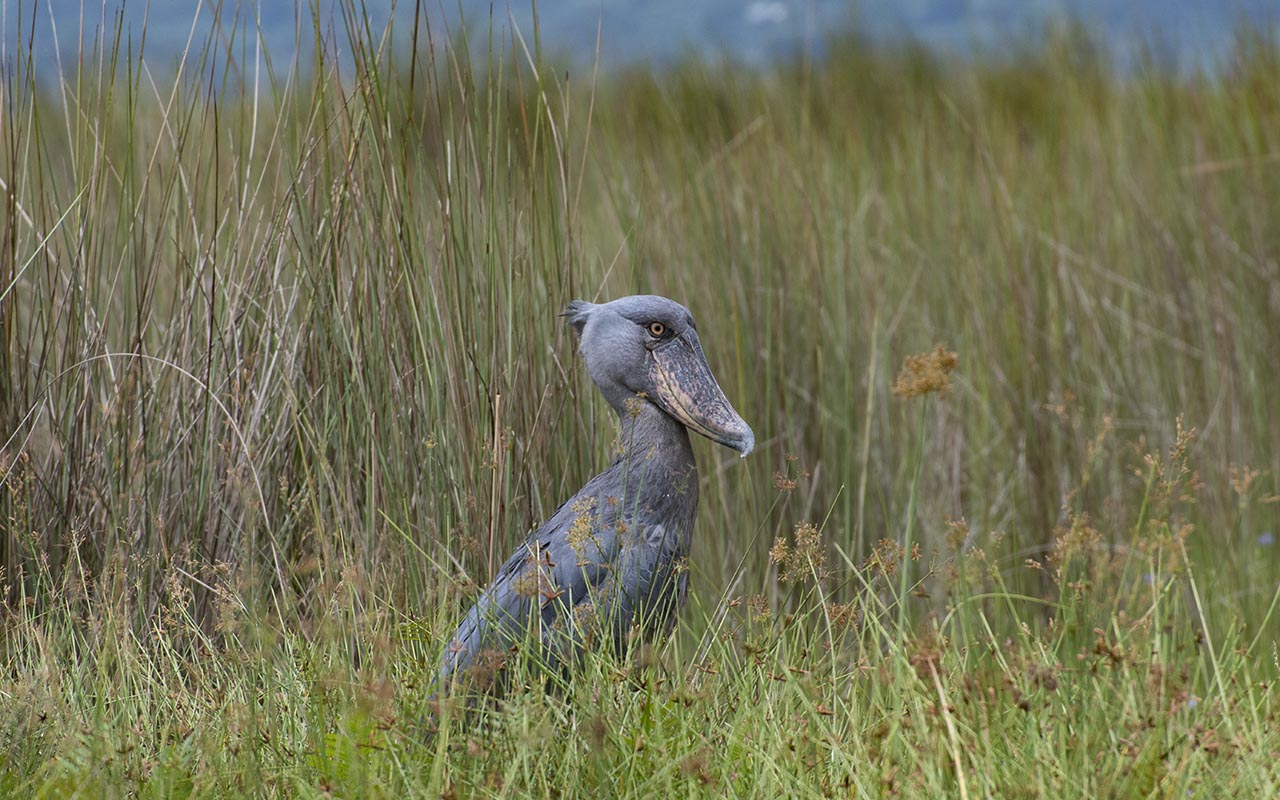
(1182, 33)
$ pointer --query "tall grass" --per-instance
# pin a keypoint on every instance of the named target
(283, 380)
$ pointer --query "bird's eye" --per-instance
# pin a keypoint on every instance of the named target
(657, 329)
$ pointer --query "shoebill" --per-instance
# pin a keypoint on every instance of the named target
(610, 564)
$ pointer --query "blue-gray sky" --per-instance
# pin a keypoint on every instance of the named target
(1186, 33)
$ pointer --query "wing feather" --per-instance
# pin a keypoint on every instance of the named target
(537, 588)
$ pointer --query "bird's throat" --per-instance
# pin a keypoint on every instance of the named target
(650, 439)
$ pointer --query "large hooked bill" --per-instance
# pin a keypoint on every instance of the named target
(688, 391)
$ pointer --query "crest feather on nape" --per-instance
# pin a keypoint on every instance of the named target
(576, 313)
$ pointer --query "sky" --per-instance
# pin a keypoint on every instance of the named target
(1184, 34)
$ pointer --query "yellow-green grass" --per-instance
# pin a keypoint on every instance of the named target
(283, 380)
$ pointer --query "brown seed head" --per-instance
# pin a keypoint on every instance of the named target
(925, 373)
(805, 556)
(582, 529)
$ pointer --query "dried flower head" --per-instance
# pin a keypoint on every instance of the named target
(582, 529)
(783, 482)
(957, 533)
(535, 580)
(845, 615)
(759, 605)
(925, 373)
(804, 557)
(1078, 538)
(1242, 478)
(587, 622)
(635, 405)
(526, 583)
(885, 558)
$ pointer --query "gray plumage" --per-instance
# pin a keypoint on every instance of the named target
(611, 560)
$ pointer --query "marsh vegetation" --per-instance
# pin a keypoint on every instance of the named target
(283, 381)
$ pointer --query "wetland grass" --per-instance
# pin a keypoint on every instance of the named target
(282, 380)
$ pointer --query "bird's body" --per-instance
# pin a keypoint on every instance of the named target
(610, 564)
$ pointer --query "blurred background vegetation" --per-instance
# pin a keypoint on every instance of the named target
(305, 322)
(283, 345)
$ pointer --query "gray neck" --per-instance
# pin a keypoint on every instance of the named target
(655, 454)
(646, 431)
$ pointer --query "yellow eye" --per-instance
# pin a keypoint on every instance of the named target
(657, 329)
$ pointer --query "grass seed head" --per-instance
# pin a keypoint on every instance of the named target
(924, 373)
(805, 557)
(581, 530)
